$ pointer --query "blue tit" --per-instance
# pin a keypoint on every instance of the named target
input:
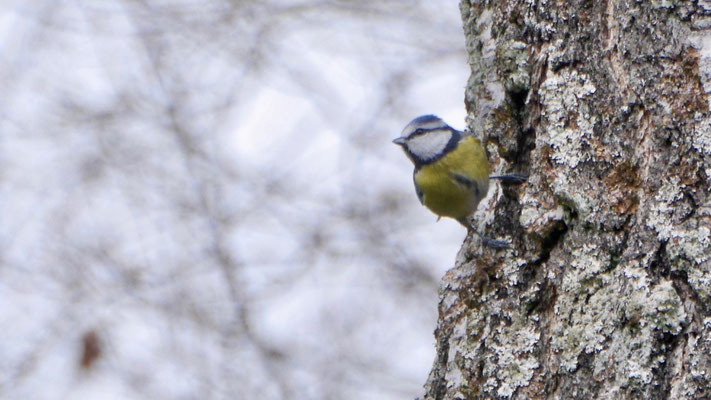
(451, 169)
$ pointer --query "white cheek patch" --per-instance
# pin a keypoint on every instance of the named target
(430, 144)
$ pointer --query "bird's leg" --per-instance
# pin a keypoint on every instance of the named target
(493, 243)
(510, 179)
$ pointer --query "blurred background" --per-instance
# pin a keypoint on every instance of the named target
(200, 200)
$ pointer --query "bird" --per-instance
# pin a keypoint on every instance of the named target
(451, 170)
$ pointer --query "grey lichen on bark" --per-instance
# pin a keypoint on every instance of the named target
(606, 292)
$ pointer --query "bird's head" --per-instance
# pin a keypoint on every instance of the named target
(427, 138)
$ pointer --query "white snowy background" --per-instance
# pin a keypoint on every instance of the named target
(201, 200)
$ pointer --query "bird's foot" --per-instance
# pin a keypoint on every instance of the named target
(510, 179)
(495, 244)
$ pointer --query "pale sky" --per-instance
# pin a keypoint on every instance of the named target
(167, 168)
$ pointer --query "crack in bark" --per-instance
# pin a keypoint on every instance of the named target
(549, 242)
(660, 267)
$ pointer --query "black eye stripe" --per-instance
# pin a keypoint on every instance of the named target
(422, 131)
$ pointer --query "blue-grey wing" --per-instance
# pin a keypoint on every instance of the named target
(420, 195)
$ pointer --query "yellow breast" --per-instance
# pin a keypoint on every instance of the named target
(443, 183)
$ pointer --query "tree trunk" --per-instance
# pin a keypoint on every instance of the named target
(606, 292)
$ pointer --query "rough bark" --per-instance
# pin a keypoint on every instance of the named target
(606, 292)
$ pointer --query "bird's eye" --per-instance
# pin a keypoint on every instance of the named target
(419, 131)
